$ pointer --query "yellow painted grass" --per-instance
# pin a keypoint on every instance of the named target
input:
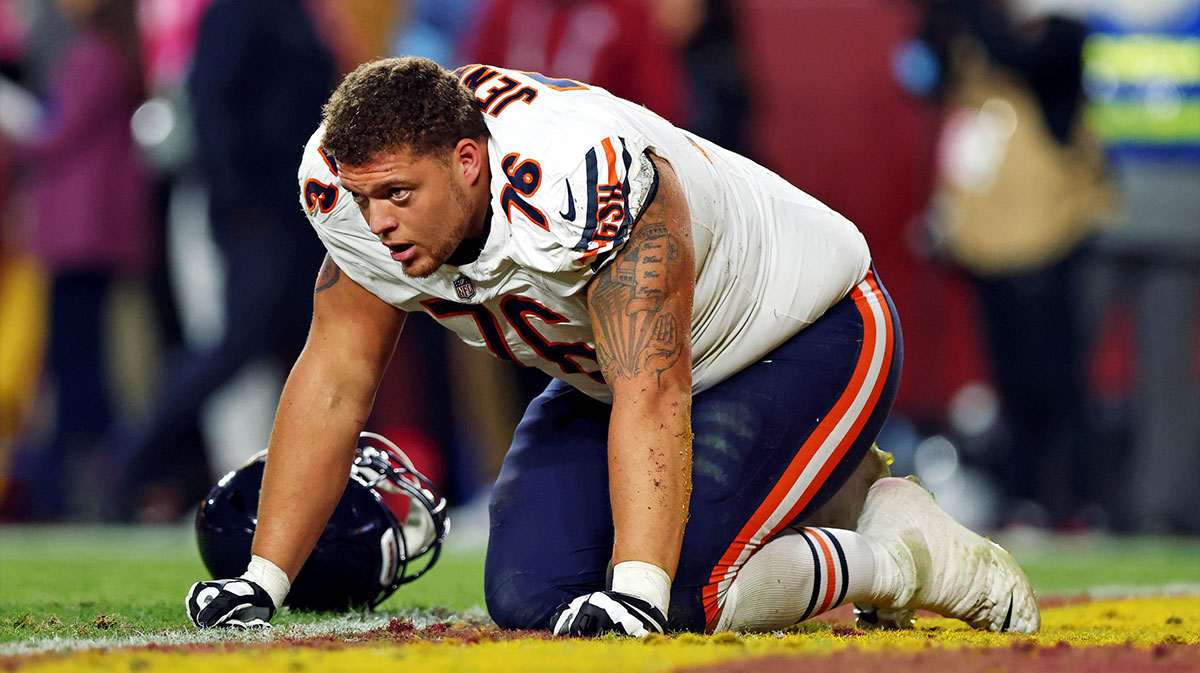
(1143, 622)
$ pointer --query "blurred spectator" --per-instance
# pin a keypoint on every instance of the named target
(91, 225)
(22, 303)
(1020, 188)
(613, 44)
(1143, 76)
(35, 33)
(720, 100)
(260, 75)
(433, 28)
(355, 31)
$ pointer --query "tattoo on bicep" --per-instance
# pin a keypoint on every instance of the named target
(635, 329)
(328, 275)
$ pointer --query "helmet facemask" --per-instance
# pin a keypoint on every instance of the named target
(386, 530)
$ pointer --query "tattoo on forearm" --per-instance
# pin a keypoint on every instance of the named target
(635, 330)
(328, 275)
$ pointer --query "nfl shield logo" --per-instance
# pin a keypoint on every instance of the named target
(464, 287)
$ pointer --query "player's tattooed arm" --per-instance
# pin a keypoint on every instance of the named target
(641, 306)
(641, 302)
(328, 275)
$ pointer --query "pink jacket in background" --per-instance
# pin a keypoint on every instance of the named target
(90, 192)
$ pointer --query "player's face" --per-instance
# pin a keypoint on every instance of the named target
(417, 206)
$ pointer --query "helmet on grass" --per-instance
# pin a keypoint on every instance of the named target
(387, 530)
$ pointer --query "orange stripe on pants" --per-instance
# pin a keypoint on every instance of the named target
(726, 569)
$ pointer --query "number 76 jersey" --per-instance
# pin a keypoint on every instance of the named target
(570, 174)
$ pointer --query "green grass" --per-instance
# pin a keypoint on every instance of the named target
(1075, 565)
(103, 582)
(74, 582)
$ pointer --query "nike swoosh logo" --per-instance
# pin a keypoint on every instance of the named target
(1007, 617)
(570, 214)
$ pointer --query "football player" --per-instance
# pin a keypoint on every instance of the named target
(724, 353)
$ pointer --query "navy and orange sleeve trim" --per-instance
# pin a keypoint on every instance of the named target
(609, 216)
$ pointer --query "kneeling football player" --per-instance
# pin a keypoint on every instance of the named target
(724, 356)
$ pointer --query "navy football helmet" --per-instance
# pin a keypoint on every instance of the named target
(387, 530)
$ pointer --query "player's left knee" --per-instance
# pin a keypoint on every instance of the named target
(520, 600)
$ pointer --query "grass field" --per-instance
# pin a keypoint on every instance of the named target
(117, 594)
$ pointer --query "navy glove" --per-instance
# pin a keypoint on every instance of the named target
(608, 612)
(237, 603)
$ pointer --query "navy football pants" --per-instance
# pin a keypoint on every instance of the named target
(773, 443)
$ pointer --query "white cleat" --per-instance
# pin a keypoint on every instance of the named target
(943, 567)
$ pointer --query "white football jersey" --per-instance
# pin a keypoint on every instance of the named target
(569, 178)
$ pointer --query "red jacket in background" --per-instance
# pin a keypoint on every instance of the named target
(612, 44)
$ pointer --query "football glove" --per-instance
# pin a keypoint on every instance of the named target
(608, 612)
(238, 603)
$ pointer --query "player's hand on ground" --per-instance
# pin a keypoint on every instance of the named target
(608, 612)
(236, 603)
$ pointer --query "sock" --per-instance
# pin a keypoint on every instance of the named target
(801, 574)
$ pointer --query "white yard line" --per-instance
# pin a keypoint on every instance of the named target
(1106, 592)
(345, 626)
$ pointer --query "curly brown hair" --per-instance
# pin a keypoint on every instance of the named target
(408, 103)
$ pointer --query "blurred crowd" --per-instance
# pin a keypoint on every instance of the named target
(1027, 173)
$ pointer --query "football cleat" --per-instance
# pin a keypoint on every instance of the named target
(386, 530)
(944, 567)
